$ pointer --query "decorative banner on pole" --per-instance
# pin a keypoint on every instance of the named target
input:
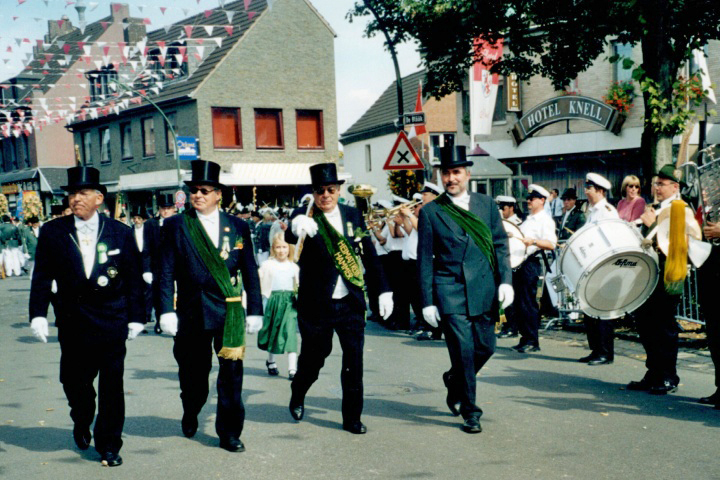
(483, 87)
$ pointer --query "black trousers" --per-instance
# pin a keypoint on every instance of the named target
(400, 318)
(601, 337)
(510, 324)
(471, 343)
(193, 352)
(526, 312)
(708, 281)
(83, 358)
(317, 338)
(659, 331)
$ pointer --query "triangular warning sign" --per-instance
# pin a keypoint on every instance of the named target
(403, 156)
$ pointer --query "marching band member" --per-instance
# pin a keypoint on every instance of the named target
(507, 206)
(464, 273)
(539, 234)
(656, 319)
(600, 333)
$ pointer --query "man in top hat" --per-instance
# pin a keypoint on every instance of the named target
(331, 297)
(465, 276)
(507, 206)
(98, 306)
(599, 332)
(539, 235)
(208, 253)
(656, 322)
(166, 209)
(145, 238)
(573, 218)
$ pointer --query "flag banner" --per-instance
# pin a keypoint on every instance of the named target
(483, 87)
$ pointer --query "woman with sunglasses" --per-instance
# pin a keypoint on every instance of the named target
(632, 204)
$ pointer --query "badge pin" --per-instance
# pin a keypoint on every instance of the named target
(227, 229)
(351, 233)
(103, 281)
(102, 251)
(224, 255)
(112, 272)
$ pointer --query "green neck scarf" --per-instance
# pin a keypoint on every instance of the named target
(234, 333)
(472, 225)
(340, 250)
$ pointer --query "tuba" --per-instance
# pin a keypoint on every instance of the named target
(704, 183)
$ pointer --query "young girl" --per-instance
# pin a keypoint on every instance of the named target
(278, 278)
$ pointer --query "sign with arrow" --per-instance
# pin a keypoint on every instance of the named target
(403, 156)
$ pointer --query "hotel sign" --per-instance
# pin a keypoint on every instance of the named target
(512, 86)
(571, 107)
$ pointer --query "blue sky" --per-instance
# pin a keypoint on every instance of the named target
(363, 68)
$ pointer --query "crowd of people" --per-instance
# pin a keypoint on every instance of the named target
(435, 266)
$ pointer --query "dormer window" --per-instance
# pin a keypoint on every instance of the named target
(100, 81)
(168, 63)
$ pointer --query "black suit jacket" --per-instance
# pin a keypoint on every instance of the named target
(454, 274)
(574, 222)
(200, 302)
(82, 304)
(318, 275)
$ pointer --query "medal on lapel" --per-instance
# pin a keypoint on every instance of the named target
(225, 253)
(112, 272)
(102, 254)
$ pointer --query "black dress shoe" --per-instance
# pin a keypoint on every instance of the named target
(507, 334)
(472, 425)
(587, 358)
(291, 375)
(641, 386)
(355, 427)
(272, 371)
(663, 388)
(189, 425)
(82, 437)
(297, 410)
(601, 360)
(232, 444)
(713, 399)
(452, 402)
(528, 348)
(110, 459)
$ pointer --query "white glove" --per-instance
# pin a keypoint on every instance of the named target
(385, 305)
(431, 316)
(39, 326)
(53, 287)
(304, 225)
(147, 276)
(506, 295)
(134, 330)
(169, 323)
(253, 323)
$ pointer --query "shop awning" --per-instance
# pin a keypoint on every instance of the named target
(51, 178)
(151, 180)
(489, 167)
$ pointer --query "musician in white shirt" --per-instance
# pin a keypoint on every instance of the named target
(507, 206)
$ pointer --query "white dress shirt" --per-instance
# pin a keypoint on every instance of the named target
(139, 237)
(211, 223)
(462, 200)
(335, 219)
(602, 210)
(87, 232)
(541, 227)
(514, 219)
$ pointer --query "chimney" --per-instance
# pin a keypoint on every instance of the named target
(119, 11)
(59, 27)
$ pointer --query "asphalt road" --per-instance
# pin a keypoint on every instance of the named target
(546, 416)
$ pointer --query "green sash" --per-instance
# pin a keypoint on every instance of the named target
(234, 333)
(340, 250)
(472, 225)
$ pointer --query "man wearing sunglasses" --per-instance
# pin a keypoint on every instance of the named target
(209, 255)
(331, 298)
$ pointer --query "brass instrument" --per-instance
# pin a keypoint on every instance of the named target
(375, 217)
(704, 181)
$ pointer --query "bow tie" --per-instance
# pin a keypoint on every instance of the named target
(85, 228)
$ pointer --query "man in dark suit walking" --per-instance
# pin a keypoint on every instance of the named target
(332, 239)
(145, 235)
(204, 249)
(464, 273)
(166, 209)
(98, 306)
(572, 218)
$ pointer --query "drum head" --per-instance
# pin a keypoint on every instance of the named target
(617, 285)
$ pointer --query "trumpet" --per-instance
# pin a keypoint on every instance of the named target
(374, 217)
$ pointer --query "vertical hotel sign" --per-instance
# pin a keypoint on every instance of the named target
(483, 86)
(512, 87)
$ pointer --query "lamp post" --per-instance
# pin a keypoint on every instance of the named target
(167, 122)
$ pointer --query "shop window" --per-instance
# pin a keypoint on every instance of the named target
(105, 157)
(227, 131)
(148, 134)
(126, 141)
(368, 158)
(310, 130)
(622, 50)
(268, 129)
(86, 148)
(169, 139)
(170, 66)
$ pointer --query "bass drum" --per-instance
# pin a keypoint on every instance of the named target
(607, 269)
(516, 247)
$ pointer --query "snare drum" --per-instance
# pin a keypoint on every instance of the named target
(607, 269)
(516, 247)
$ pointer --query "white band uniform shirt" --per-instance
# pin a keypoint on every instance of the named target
(539, 226)
(602, 210)
(409, 250)
(335, 219)
(514, 219)
(87, 232)
(381, 249)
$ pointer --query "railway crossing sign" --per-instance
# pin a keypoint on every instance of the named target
(403, 156)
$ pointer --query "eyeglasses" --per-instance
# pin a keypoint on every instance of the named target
(204, 191)
(633, 186)
(331, 189)
(662, 184)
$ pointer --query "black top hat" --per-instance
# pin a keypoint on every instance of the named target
(324, 174)
(205, 173)
(139, 211)
(569, 193)
(457, 157)
(165, 200)
(80, 178)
